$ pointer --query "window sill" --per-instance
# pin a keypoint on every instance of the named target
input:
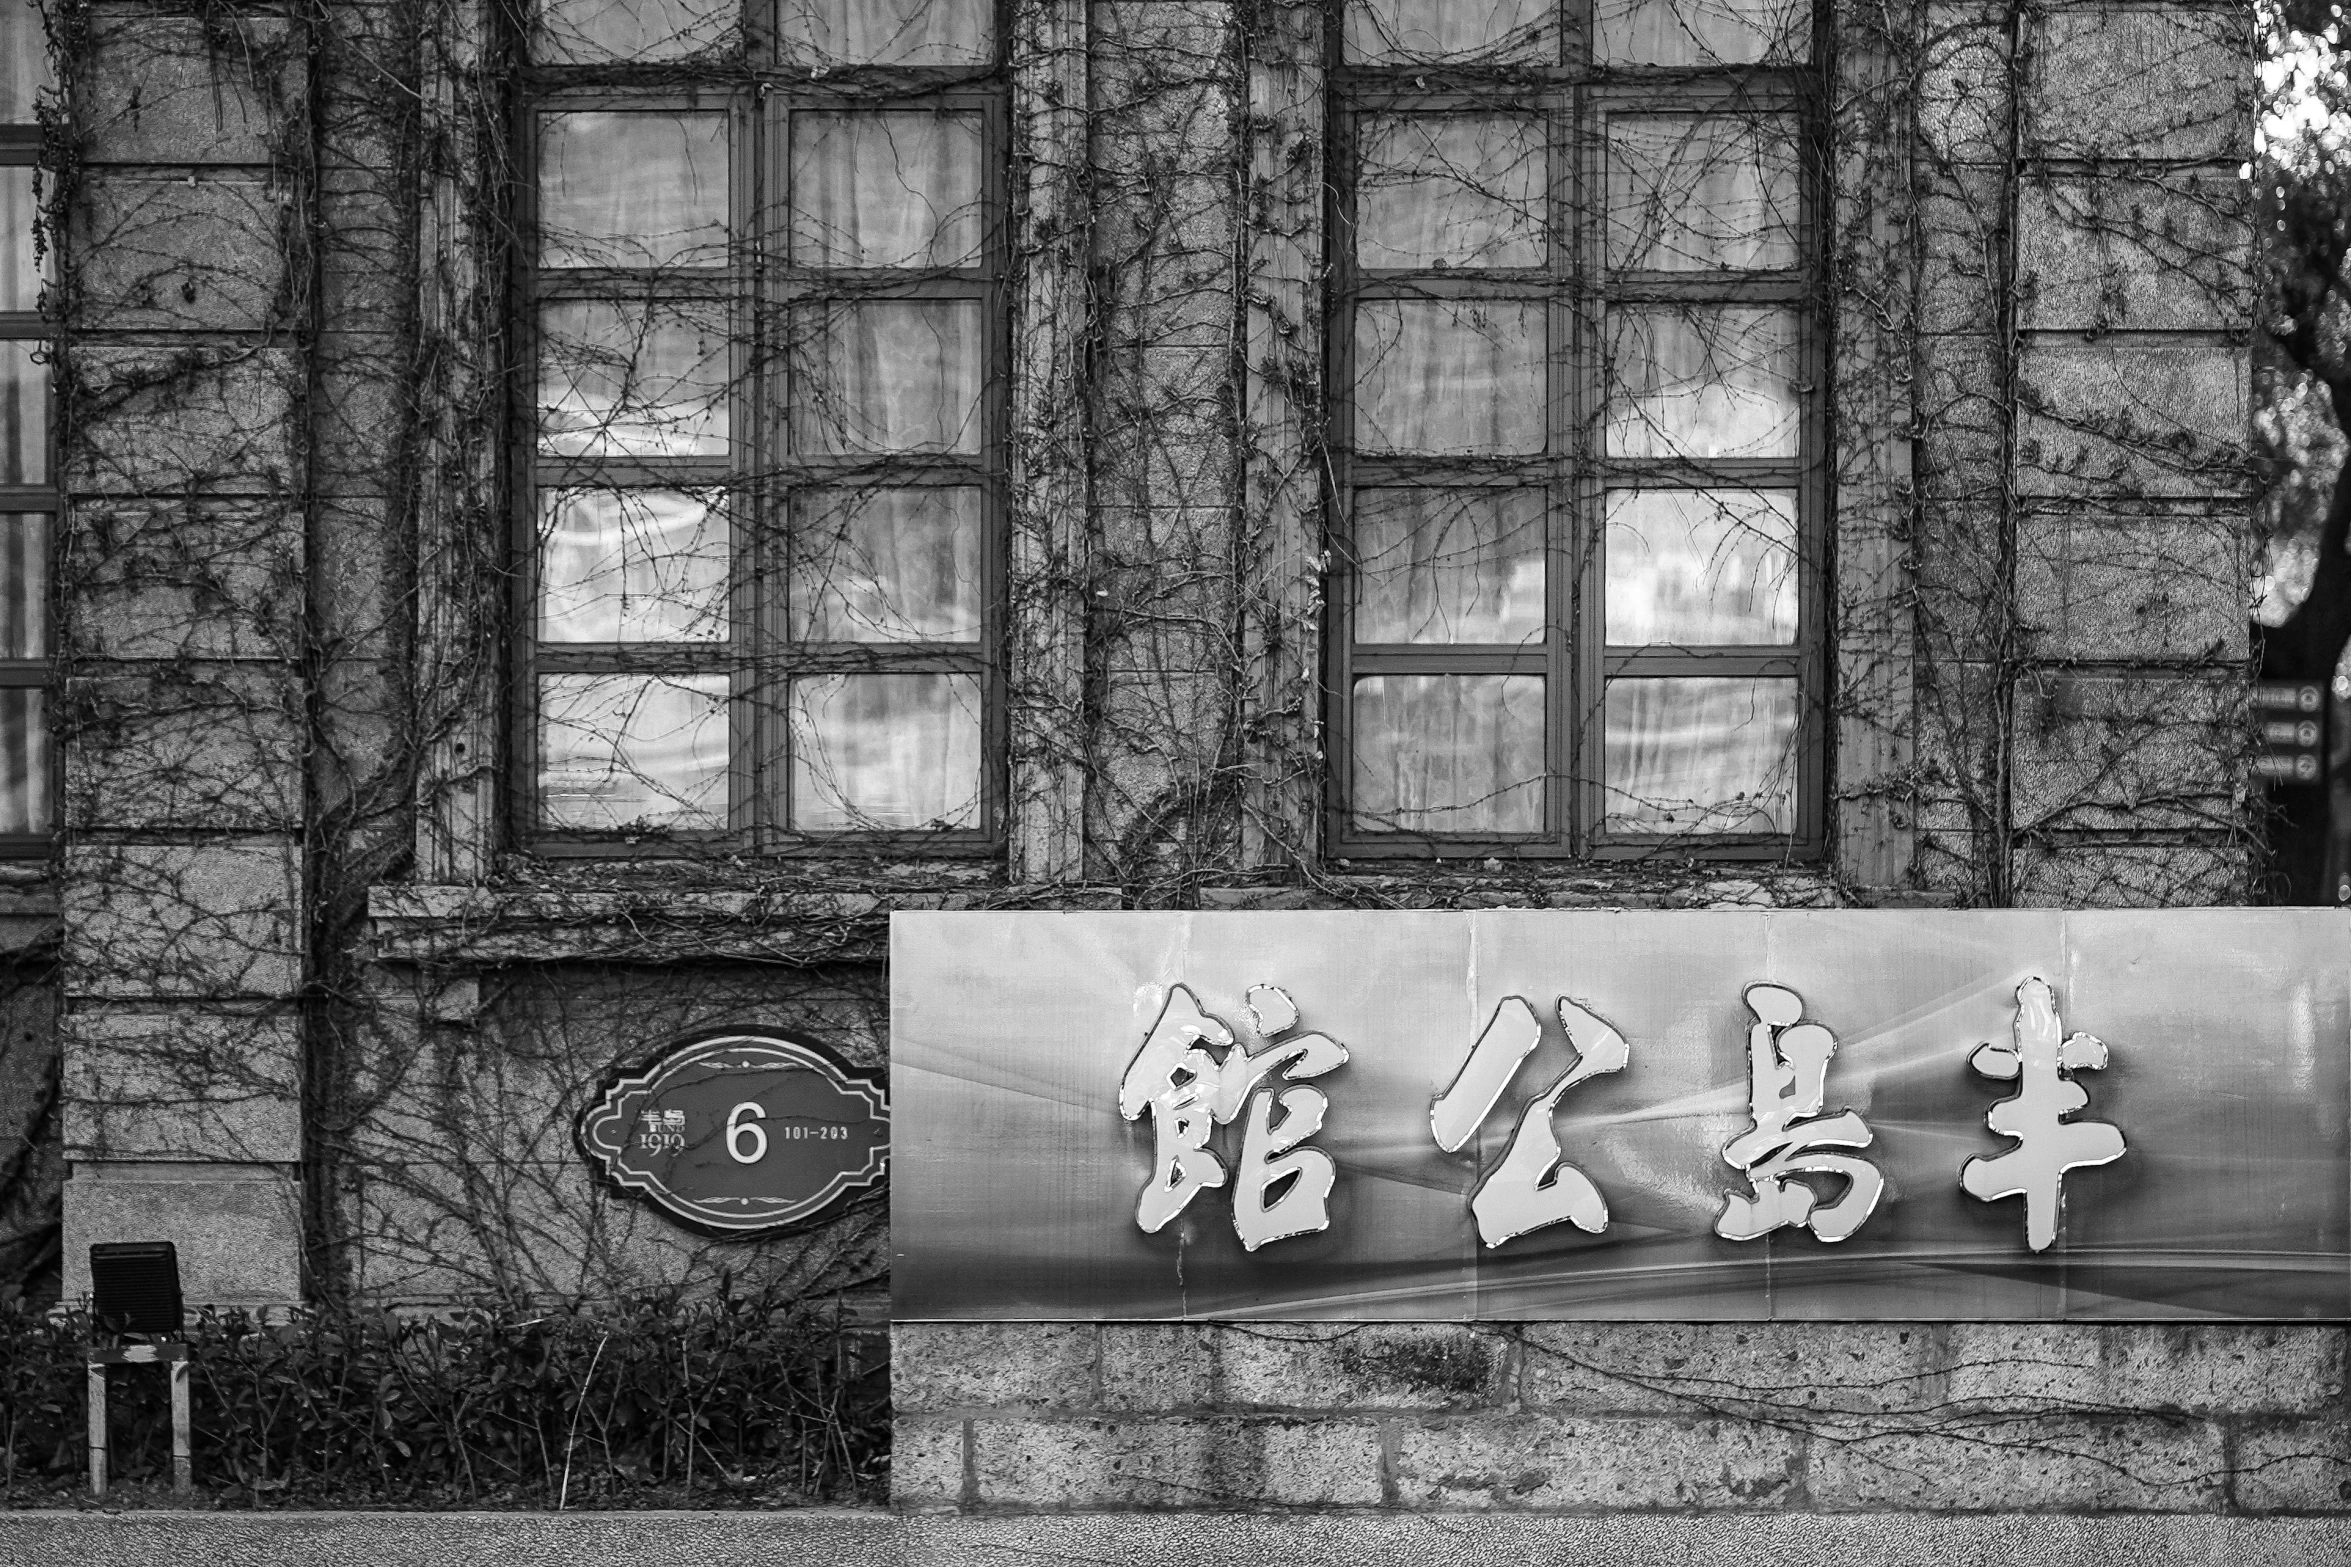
(466, 926)
(1588, 885)
(661, 921)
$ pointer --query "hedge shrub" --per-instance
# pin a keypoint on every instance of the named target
(726, 1400)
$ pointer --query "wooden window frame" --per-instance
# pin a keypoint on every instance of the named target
(1574, 98)
(759, 287)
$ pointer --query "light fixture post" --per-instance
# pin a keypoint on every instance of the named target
(135, 1290)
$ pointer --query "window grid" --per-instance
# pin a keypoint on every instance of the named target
(30, 500)
(1581, 297)
(775, 296)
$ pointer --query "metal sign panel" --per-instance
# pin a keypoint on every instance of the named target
(2006, 1115)
(741, 1132)
(2291, 740)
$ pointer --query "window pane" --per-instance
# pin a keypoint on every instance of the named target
(1451, 190)
(888, 566)
(1439, 565)
(24, 60)
(1700, 756)
(1702, 381)
(1460, 376)
(24, 762)
(888, 32)
(24, 415)
(633, 752)
(633, 566)
(1687, 194)
(885, 190)
(1691, 567)
(1698, 32)
(20, 274)
(1392, 31)
(585, 32)
(892, 376)
(632, 379)
(633, 190)
(1449, 753)
(24, 585)
(880, 752)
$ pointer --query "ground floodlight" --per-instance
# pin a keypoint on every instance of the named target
(135, 1287)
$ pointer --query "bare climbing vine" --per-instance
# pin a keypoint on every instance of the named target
(461, 625)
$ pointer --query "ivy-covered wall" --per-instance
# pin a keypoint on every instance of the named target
(319, 1020)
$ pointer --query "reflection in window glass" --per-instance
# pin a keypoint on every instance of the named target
(887, 32)
(891, 376)
(885, 752)
(630, 379)
(632, 753)
(1690, 568)
(1451, 376)
(1382, 32)
(26, 766)
(633, 566)
(1702, 381)
(1449, 565)
(20, 272)
(632, 190)
(589, 32)
(1569, 476)
(24, 61)
(1700, 756)
(24, 414)
(1451, 190)
(885, 190)
(899, 565)
(762, 493)
(1689, 194)
(24, 585)
(1699, 32)
(24, 762)
(1448, 753)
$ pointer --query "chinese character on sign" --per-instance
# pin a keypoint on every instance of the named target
(662, 1131)
(1532, 1187)
(2047, 1144)
(1787, 1079)
(1192, 1077)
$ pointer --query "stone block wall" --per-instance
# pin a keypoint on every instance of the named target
(325, 1024)
(182, 888)
(237, 303)
(1588, 1417)
(1164, 147)
(466, 1182)
(2085, 245)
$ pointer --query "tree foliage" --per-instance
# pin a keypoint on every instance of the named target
(2305, 174)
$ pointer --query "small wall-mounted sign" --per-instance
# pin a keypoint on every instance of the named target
(740, 1133)
(2292, 746)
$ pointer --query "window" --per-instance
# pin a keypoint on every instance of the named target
(764, 486)
(28, 492)
(1574, 351)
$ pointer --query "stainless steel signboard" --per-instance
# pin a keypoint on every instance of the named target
(741, 1132)
(1438, 1115)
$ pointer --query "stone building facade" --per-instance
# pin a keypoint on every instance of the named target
(333, 963)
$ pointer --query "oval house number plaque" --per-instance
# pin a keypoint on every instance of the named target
(742, 1133)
